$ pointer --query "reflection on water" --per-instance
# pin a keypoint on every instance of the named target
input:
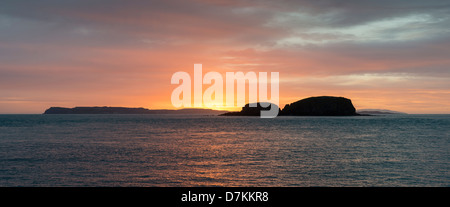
(168, 150)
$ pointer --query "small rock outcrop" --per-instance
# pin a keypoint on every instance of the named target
(251, 111)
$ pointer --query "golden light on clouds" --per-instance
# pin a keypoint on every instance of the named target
(383, 54)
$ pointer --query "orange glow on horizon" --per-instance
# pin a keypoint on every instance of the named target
(125, 54)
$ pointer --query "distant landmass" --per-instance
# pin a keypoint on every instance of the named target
(377, 111)
(312, 106)
(125, 110)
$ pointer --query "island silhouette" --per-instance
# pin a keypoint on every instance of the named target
(312, 106)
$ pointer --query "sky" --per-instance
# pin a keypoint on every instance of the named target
(384, 54)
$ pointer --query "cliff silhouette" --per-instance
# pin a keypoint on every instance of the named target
(320, 106)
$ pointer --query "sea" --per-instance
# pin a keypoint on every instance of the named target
(401, 150)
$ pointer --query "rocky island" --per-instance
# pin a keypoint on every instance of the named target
(320, 106)
(313, 106)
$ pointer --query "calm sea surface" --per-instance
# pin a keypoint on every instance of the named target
(198, 150)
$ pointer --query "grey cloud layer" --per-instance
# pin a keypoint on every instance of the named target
(393, 32)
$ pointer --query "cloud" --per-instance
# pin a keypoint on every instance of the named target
(52, 47)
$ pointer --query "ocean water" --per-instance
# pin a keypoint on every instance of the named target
(199, 150)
